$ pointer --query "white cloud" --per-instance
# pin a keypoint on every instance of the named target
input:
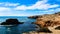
(4, 9)
(23, 7)
(40, 5)
(57, 10)
(9, 4)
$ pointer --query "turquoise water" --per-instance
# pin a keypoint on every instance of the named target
(26, 27)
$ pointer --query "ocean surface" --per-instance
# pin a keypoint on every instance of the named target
(21, 28)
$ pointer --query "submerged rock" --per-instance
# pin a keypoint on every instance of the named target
(11, 22)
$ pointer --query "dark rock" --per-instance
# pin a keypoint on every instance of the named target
(42, 29)
(33, 23)
(11, 22)
(57, 28)
(33, 17)
(45, 30)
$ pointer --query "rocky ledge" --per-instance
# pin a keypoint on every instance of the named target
(11, 22)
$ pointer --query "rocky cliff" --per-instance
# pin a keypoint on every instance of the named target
(47, 19)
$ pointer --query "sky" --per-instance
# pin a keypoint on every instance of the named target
(28, 7)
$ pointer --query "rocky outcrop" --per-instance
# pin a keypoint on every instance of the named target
(11, 22)
(33, 17)
(48, 20)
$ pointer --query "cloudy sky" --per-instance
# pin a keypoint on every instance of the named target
(28, 7)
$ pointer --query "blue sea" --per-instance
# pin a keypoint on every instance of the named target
(21, 28)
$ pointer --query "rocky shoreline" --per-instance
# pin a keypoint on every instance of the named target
(47, 20)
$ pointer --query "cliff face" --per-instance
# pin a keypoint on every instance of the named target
(48, 20)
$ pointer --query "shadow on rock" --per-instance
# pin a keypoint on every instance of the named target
(57, 28)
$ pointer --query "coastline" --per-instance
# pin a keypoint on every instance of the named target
(50, 21)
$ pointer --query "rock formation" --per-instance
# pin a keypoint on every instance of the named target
(47, 20)
(11, 22)
(33, 17)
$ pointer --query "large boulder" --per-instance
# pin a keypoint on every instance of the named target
(11, 22)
